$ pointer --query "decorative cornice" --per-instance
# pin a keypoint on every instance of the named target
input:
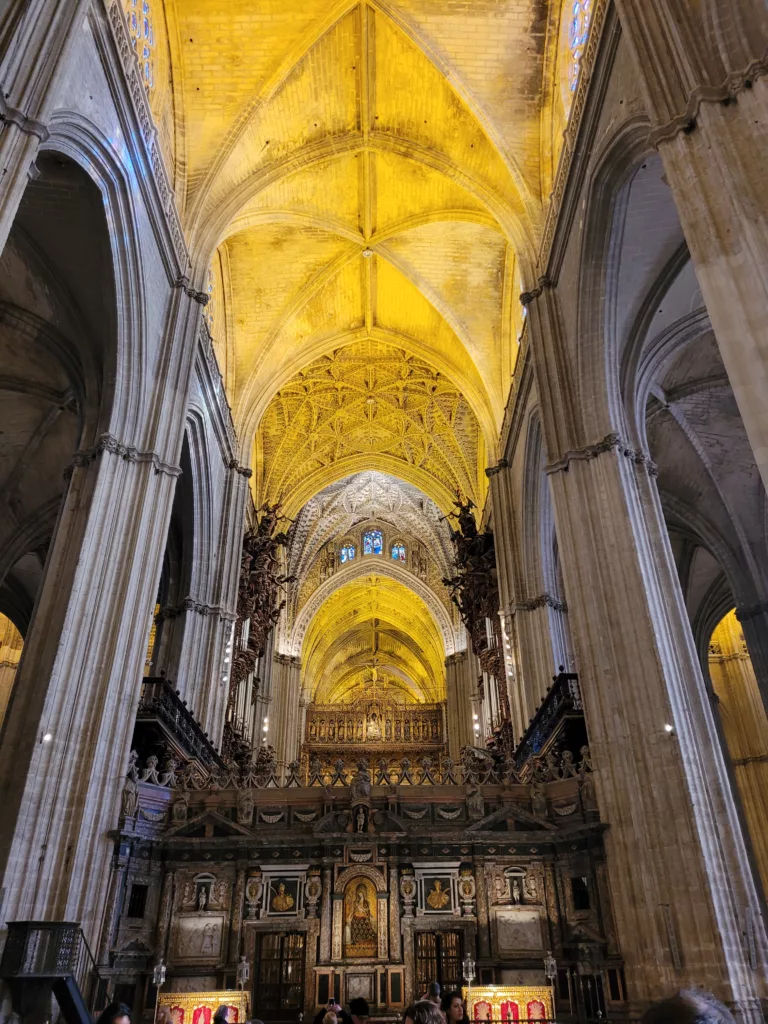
(727, 93)
(242, 470)
(108, 443)
(183, 282)
(189, 604)
(494, 470)
(751, 611)
(26, 125)
(542, 601)
(611, 442)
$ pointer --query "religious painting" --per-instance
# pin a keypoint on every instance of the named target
(510, 1011)
(360, 919)
(199, 938)
(517, 930)
(201, 1015)
(438, 895)
(482, 1010)
(198, 1007)
(284, 896)
(537, 1010)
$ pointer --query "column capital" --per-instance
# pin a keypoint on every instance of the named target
(130, 453)
(491, 471)
(611, 442)
(26, 125)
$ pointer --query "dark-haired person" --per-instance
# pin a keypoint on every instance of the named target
(433, 993)
(221, 1016)
(690, 1006)
(423, 1012)
(453, 1007)
(115, 1013)
(359, 1010)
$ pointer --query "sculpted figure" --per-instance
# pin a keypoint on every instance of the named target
(438, 897)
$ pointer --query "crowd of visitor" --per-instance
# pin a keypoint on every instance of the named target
(688, 1007)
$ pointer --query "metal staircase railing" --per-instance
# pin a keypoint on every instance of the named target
(44, 958)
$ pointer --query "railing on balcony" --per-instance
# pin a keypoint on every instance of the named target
(561, 710)
(56, 956)
(160, 703)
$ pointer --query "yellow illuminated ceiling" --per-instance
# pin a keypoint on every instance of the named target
(367, 181)
(373, 620)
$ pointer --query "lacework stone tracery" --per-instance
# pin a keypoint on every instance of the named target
(369, 399)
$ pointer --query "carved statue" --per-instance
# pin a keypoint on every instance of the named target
(517, 893)
(130, 796)
(202, 898)
(538, 800)
(360, 819)
(244, 807)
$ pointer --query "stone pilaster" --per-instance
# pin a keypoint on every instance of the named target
(286, 672)
(236, 923)
(164, 916)
(395, 954)
(111, 907)
(703, 69)
(326, 922)
(483, 914)
(677, 863)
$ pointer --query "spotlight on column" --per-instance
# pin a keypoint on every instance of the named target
(48, 737)
(669, 728)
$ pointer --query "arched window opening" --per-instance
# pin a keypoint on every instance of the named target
(745, 727)
(11, 644)
(398, 552)
(373, 542)
(142, 37)
(347, 552)
(580, 16)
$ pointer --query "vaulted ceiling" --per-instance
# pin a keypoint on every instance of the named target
(366, 180)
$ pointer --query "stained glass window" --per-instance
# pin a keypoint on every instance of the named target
(373, 542)
(578, 34)
(398, 552)
(142, 36)
(347, 553)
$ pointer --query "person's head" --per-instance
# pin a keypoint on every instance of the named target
(359, 1010)
(330, 1018)
(433, 991)
(221, 1016)
(688, 1007)
(423, 1012)
(452, 1006)
(115, 1013)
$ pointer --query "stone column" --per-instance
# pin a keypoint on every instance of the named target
(459, 693)
(508, 567)
(80, 673)
(745, 726)
(112, 906)
(207, 620)
(678, 867)
(35, 43)
(287, 690)
(754, 623)
(703, 71)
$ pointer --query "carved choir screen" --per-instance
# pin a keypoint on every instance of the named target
(199, 1007)
(509, 1004)
(378, 723)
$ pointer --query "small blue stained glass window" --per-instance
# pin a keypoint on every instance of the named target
(578, 34)
(398, 552)
(347, 553)
(373, 543)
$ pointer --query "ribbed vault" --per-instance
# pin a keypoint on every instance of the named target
(373, 622)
